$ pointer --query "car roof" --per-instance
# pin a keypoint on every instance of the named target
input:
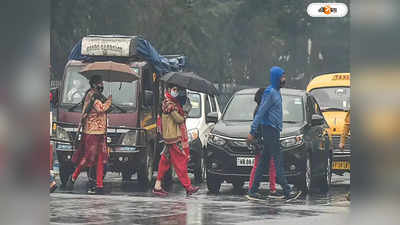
(284, 91)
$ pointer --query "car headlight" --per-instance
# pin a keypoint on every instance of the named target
(62, 134)
(193, 134)
(292, 141)
(212, 139)
(130, 138)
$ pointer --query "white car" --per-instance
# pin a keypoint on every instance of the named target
(198, 129)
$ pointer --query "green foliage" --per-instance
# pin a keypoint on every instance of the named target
(224, 40)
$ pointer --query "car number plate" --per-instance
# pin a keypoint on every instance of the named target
(341, 165)
(245, 161)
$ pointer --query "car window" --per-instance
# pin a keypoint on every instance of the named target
(207, 105)
(214, 104)
(195, 100)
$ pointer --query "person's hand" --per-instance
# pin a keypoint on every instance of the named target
(109, 97)
(341, 146)
(250, 138)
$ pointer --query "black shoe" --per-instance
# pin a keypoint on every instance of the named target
(276, 195)
(70, 184)
(255, 196)
(292, 196)
(100, 191)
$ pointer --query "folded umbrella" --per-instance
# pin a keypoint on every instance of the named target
(191, 81)
(110, 71)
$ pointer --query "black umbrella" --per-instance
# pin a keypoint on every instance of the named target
(191, 81)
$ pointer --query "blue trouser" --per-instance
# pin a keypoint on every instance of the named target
(272, 147)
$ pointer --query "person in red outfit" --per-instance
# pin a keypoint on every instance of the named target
(272, 171)
(176, 150)
(92, 149)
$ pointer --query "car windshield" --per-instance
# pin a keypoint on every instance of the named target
(195, 100)
(241, 108)
(75, 86)
(336, 98)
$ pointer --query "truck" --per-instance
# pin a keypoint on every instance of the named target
(132, 141)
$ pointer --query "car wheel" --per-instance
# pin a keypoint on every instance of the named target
(145, 172)
(213, 183)
(305, 180)
(65, 171)
(238, 185)
(326, 179)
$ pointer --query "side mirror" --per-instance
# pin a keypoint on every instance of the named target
(317, 120)
(54, 97)
(212, 117)
(148, 98)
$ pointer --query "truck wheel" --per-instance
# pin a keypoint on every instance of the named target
(237, 185)
(304, 182)
(145, 172)
(65, 172)
(213, 183)
(325, 181)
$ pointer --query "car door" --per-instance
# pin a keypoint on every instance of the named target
(315, 136)
(209, 107)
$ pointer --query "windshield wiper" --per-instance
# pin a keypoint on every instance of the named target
(332, 109)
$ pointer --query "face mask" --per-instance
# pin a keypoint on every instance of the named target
(174, 94)
(283, 83)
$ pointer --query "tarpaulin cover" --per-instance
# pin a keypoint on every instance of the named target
(144, 50)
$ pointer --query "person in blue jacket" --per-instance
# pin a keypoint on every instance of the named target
(269, 117)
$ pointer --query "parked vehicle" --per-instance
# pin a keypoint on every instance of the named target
(305, 143)
(198, 130)
(332, 92)
(131, 134)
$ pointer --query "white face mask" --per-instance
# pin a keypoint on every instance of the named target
(174, 94)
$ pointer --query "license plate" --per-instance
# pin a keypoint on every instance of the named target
(245, 161)
(341, 165)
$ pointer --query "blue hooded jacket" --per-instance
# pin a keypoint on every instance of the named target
(270, 111)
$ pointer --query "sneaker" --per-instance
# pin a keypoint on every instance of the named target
(275, 195)
(70, 183)
(53, 187)
(191, 190)
(100, 191)
(255, 196)
(91, 190)
(160, 192)
(292, 195)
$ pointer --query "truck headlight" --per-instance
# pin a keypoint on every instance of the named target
(130, 138)
(62, 134)
(292, 141)
(213, 139)
(193, 134)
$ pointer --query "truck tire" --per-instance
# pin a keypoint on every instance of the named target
(65, 172)
(145, 172)
(237, 185)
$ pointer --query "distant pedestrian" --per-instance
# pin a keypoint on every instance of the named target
(269, 116)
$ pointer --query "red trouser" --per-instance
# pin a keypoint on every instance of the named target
(272, 173)
(179, 161)
(94, 154)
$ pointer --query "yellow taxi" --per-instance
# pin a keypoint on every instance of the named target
(332, 92)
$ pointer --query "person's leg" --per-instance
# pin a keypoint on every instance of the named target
(272, 175)
(100, 170)
(163, 167)
(253, 170)
(263, 164)
(179, 161)
(277, 156)
(78, 169)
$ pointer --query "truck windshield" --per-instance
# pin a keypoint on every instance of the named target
(332, 98)
(123, 93)
(195, 100)
(242, 107)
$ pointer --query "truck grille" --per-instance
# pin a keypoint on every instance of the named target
(336, 141)
(115, 137)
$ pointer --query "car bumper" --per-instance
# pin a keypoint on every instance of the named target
(118, 160)
(223, 163)
(341, 160)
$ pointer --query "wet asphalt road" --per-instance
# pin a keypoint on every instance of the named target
(128, 204)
